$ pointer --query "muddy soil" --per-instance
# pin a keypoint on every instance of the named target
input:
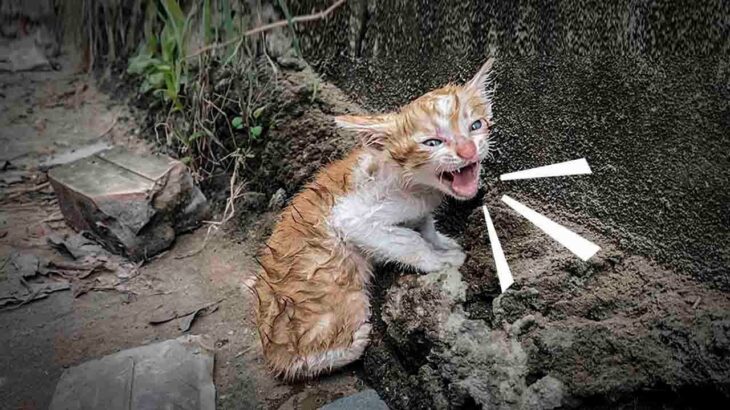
(46, 113)
(619, 331)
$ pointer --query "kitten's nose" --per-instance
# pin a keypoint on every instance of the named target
(466, 149)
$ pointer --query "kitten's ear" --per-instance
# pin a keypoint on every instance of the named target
(372, 129)
(479, 82)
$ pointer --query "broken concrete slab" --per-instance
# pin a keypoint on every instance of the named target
(134, 204)
(174, 374)
(364, 400)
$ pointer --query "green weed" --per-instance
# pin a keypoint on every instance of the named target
(220, 100)
(161, 62)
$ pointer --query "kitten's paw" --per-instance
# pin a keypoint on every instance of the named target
(436, 262)
(453, 257)
(441, 260)
(445, 243)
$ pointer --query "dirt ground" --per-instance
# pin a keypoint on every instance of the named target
(47, 113)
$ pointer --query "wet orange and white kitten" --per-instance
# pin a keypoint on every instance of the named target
(375, 205)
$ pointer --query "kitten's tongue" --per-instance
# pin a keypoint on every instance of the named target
(465, 183)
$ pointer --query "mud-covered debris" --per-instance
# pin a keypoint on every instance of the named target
(555, 339)
(133, 204)
(186, 316)
(186, 322)
(455, 360)
(25, 265)
(77, 270)
(26, 277)
(12, 177)
(77, 246)
(22, 282)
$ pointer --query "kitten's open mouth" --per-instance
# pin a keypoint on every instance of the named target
(464, 181)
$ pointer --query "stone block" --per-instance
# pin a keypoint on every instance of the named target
(364, 400)
(134, 204)
(174, 374)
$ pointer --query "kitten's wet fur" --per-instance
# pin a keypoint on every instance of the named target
(374, 205)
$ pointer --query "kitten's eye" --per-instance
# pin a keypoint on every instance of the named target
(432, 142)
(476, 125)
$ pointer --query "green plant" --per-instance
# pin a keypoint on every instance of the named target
(221, 95)
(162, 61)
(255, 123)
(208, 33)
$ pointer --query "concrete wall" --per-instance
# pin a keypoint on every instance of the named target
(639, 88)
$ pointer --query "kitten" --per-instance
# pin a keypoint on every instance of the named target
(375, 205)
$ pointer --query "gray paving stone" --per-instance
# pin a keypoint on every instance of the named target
(174, 374)
(364, 400)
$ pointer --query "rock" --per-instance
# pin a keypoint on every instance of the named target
(364, 400)
(133, 204)
(172, 374)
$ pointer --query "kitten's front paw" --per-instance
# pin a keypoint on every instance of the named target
(435, 262)
(453, 257)
(441, 260)
(445, 243)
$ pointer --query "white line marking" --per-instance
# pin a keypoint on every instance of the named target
(575, 167)
(503, 272)
(580, 246)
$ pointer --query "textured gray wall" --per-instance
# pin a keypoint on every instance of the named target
(639, 88)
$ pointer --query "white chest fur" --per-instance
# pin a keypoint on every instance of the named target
(372, 217)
